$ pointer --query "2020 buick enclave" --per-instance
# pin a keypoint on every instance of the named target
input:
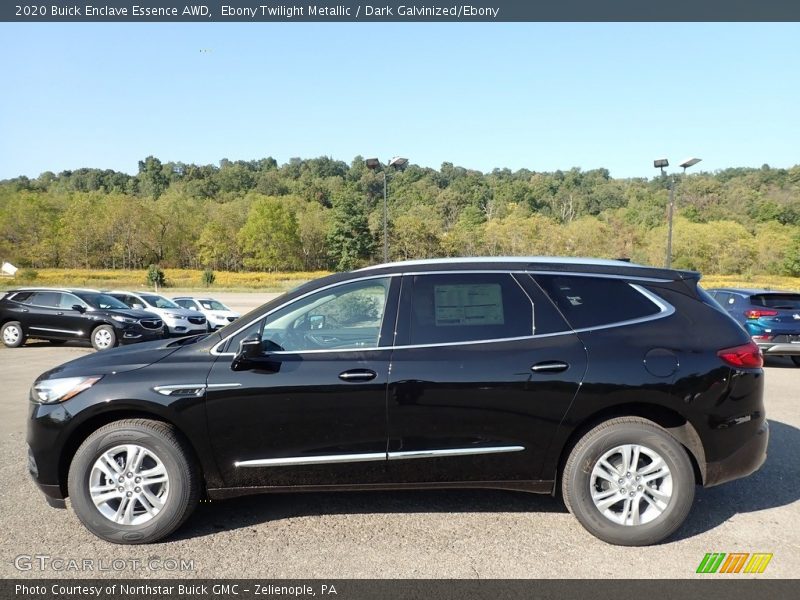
(619, 385)
(60, 315)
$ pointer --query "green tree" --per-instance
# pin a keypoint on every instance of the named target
(349, 241)
(270, 239)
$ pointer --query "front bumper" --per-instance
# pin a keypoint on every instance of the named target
(744, 461)
(186, 328)
(134, 334)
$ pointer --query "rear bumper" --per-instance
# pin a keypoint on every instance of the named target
(770, 349)
(744, 461)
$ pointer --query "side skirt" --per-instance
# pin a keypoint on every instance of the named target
(532, 487)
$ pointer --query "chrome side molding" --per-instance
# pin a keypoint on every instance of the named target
(372, 456)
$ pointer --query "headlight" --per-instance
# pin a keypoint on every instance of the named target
(122, 319)
(60, 390)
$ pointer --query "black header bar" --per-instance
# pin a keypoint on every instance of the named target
(402, 11)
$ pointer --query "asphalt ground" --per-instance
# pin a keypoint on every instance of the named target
(408, 534)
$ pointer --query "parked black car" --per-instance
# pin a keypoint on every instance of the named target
(619, 385)
(772, 318)
(60, 315)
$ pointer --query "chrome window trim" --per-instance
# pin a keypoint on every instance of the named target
(372, 456)
(665, 310)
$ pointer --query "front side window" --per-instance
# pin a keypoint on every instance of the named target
(343, 317)
(213, 305)
(69, 300)
(451, 308)
(595, 301)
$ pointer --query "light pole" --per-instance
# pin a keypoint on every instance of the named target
(396, 162)
(661, 163)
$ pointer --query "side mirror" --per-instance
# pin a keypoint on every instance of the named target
(316, 322)
(251, 356)
(79, 308)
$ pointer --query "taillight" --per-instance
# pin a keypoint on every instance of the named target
(757, 314)
(746, 356)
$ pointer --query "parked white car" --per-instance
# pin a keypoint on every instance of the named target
(217, 314)
(179, 321)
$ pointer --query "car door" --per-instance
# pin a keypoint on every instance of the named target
(477, 385)
(315, 413)
(71, 319)
(46, 317)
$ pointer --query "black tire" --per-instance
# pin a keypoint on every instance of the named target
(9, 340)
(162, 440)
(57, 342)
(796, 361)
(103, 337)
(577, 487)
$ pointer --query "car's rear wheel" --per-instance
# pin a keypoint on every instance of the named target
(12, 334)
(628, 482)
(796, 361)
(133, 481)
(104, 337)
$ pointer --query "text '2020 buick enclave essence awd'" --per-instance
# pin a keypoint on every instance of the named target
(619, 385)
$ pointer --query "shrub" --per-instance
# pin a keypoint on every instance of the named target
(155, 277)
(208, 278)
(27, 274)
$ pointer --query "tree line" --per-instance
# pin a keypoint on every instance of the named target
(323, 213)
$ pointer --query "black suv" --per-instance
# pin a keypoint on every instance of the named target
(60, 315)
(619, 385)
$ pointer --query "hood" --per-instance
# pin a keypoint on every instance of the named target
(180, 312)
(117, 360)
(133, 313)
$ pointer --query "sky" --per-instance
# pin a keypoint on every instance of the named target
(541, 96)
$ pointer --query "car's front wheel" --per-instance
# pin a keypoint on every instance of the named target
(104, 337)
(628, 482)
(133, 481)
(12, 334)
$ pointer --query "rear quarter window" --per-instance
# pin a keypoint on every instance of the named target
(588, 302)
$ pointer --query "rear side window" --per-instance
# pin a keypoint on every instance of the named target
(785, 301)
(21, 297)
(50, 299)
(594, 301)
(468, 307)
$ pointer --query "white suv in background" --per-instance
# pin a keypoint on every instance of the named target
(179, 321)
(217, 314)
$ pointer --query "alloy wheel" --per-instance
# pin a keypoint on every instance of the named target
(103, 339)
(129, 484)
(11, 334)
(631, 484)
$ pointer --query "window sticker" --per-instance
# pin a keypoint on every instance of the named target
(477, 304)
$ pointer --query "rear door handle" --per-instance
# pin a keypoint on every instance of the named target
(553, 366)
(358, 375)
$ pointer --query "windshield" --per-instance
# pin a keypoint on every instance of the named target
(212, 305)
(158, 301)
(103, 301)
(785, 301)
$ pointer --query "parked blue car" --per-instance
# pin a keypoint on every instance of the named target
(771, 317)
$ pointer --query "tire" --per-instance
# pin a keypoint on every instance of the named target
(57, 342)
(103, 337)
(796, 361)
(163, 448)
(12, 334)
(583, 477)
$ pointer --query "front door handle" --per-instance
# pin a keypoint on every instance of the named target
(358, 375)
(552, 366)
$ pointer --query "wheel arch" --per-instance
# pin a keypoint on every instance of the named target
(93, 423)
(671, 421)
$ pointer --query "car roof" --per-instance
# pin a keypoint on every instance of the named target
(533, 263)
(52, 289)
(751, 291)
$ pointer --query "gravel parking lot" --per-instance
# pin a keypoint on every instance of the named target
(436, 534)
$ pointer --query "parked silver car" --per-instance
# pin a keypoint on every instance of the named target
(217, 314)
(179, 321)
